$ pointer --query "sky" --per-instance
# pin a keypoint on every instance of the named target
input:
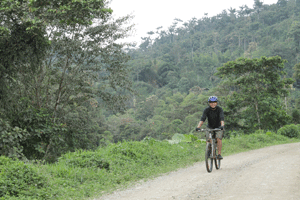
(150, 14)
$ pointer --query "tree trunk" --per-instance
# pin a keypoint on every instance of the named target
(57, 103)
(257, 114)
(193, 54)
(285, 104)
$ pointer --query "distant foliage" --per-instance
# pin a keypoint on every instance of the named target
(184, 58)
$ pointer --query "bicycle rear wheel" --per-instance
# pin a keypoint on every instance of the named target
(208, 159)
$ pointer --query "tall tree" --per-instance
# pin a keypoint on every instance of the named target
(257, 82)
(68, 63)
(296, 75)
(295, 33)
(23, 40)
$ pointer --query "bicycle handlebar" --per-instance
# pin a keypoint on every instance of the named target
(201, 130)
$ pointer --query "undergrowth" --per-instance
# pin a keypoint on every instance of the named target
(86, 174)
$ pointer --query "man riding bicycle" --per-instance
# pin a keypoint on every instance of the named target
(215, 116)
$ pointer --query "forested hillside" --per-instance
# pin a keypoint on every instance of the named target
(174, 70)
(66, 83)
(82, 114)
(188, 54)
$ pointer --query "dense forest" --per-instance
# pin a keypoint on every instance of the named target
(67, 84)
(174, 70)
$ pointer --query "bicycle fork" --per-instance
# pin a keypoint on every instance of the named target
(212, 146)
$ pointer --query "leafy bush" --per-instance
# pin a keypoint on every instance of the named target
(84, 159)
(145, 153)
(296, 116)
(18, 179)
(11, 139)
(192, 138)
(291, 131)
(233, 133)
(259, 131)
(176, 138)
(82, 174)
(269, 133)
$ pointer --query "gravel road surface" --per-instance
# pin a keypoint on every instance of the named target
(267, 173)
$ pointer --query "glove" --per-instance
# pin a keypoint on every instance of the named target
(221, 127)
(198, 129)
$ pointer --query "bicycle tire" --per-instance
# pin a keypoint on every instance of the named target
(217, 162)
(208, 159)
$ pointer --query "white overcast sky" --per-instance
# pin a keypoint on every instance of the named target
(150, 14)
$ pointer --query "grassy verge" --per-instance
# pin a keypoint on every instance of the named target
(86, 174)
(254, 141)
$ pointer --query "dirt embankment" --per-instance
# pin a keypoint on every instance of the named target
(268, 173)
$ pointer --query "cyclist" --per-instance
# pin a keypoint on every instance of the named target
(215, 116)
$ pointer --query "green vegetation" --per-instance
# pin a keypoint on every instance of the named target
(20, 180)
(291, 131)
(57, 63)
(77, 88)
(84, 174)
(67, 85)
(258, 88)
(175, 69)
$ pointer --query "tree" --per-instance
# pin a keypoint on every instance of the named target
(295, 33)
(296, 116)
(296, 75)
(282, 3)
(145, 44)
(297, 4)
(258, 4)
(60, 78)
(145, 109)
(257, 82)
(24, 39)
(195, 53)
(232, 12)
(184, 85)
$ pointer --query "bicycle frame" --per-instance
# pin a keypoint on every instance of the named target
(211, 147)
(213, 143)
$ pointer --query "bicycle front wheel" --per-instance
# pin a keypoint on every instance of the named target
(208, 159)
(217, 161)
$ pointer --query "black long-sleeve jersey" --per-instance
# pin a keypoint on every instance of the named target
(214, 116)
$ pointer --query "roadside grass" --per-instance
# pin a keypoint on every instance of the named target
(237, 144)
(90, 174)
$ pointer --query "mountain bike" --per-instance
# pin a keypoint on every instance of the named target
(211, 150)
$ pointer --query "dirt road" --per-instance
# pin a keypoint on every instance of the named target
(268, 173)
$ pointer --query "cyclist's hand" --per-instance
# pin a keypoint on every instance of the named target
(221, 127)
(198, 129)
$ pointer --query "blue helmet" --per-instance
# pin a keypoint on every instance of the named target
(213, 99)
